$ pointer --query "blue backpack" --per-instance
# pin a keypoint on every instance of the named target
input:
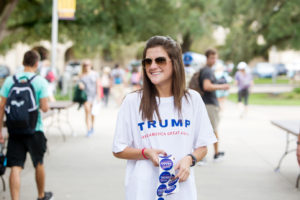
(21, 109)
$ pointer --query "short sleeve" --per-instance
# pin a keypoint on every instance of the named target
(6, 87)
(204, 134)
(207, 75)
(43, 88)
(123, 131)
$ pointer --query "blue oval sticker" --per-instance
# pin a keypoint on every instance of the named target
(161, 189)
(170, 189)
(164, 177)
(166, 164)
(173, 181)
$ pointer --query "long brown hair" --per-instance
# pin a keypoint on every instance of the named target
(149, 92)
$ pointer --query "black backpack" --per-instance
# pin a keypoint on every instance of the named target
(21, 109)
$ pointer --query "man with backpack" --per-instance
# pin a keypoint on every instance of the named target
(208, 86)
(21, 98)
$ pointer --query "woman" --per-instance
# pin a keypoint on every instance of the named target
(162, 118)
(106, 83)
(222, 78)
(89, 82)
(244, 81)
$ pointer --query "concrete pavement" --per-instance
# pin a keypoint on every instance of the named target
(85, 168)
(267, 88)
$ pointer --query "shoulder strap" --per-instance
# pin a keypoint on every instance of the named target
(29, 80)
(15, 79)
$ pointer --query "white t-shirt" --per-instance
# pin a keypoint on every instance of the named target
(174, 136)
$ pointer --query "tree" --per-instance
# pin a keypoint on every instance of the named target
(194, 21)
(98, 24)
(6, 8)
(276, 21)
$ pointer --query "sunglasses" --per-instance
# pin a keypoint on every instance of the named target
(147, 62)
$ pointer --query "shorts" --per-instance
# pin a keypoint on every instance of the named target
(243, 94)
(106, 91)
(213, 114)
(17, 148)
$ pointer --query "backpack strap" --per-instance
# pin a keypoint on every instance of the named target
(15, 79)
(29, 80)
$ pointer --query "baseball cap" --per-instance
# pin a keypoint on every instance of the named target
(242, 65)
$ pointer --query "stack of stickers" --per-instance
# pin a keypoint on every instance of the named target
(167, 183)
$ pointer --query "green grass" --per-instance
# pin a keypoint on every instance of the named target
(279, 80)
(288, 99)
(60, 97)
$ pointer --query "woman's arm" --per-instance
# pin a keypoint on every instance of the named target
(185, 163)
(130, 153)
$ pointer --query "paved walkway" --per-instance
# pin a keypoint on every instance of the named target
(267, 88)
(84, 168)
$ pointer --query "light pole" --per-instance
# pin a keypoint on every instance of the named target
(54, 34)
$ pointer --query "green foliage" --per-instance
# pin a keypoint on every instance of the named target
(279, 80)
(98, 25)
(106, 25)
(297, 90)
(277, 21)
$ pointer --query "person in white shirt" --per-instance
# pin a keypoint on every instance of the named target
(161, 118)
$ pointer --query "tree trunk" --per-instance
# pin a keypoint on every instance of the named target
(5, 15)
(187, 42)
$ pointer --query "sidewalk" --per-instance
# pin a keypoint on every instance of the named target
(84, 168)
(267, 88)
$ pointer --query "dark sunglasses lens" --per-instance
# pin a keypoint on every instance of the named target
(147, 62)
(161, 60)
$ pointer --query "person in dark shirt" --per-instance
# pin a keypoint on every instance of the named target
(208, 84)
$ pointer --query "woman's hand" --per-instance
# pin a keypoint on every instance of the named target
(152, 154)
(81, 86)
(183, 167)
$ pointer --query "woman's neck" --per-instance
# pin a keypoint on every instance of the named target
(87, 72)
(164, 91)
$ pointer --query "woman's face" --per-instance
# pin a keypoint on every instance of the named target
(86, 67)
(158, 66)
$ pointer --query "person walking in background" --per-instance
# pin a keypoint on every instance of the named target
(118, 83)
(150, 118)
(135, 78)
(222, 78)
(208, 84)
(188, 69)
(106, 83)
(244, 81)
(49, 74)
(90, 83)
(31, 138)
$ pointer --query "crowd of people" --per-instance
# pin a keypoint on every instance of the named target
(159, 115)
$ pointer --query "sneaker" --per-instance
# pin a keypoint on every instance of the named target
(219, 156)
(47, 196)
(90, 132)
(202, 162)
